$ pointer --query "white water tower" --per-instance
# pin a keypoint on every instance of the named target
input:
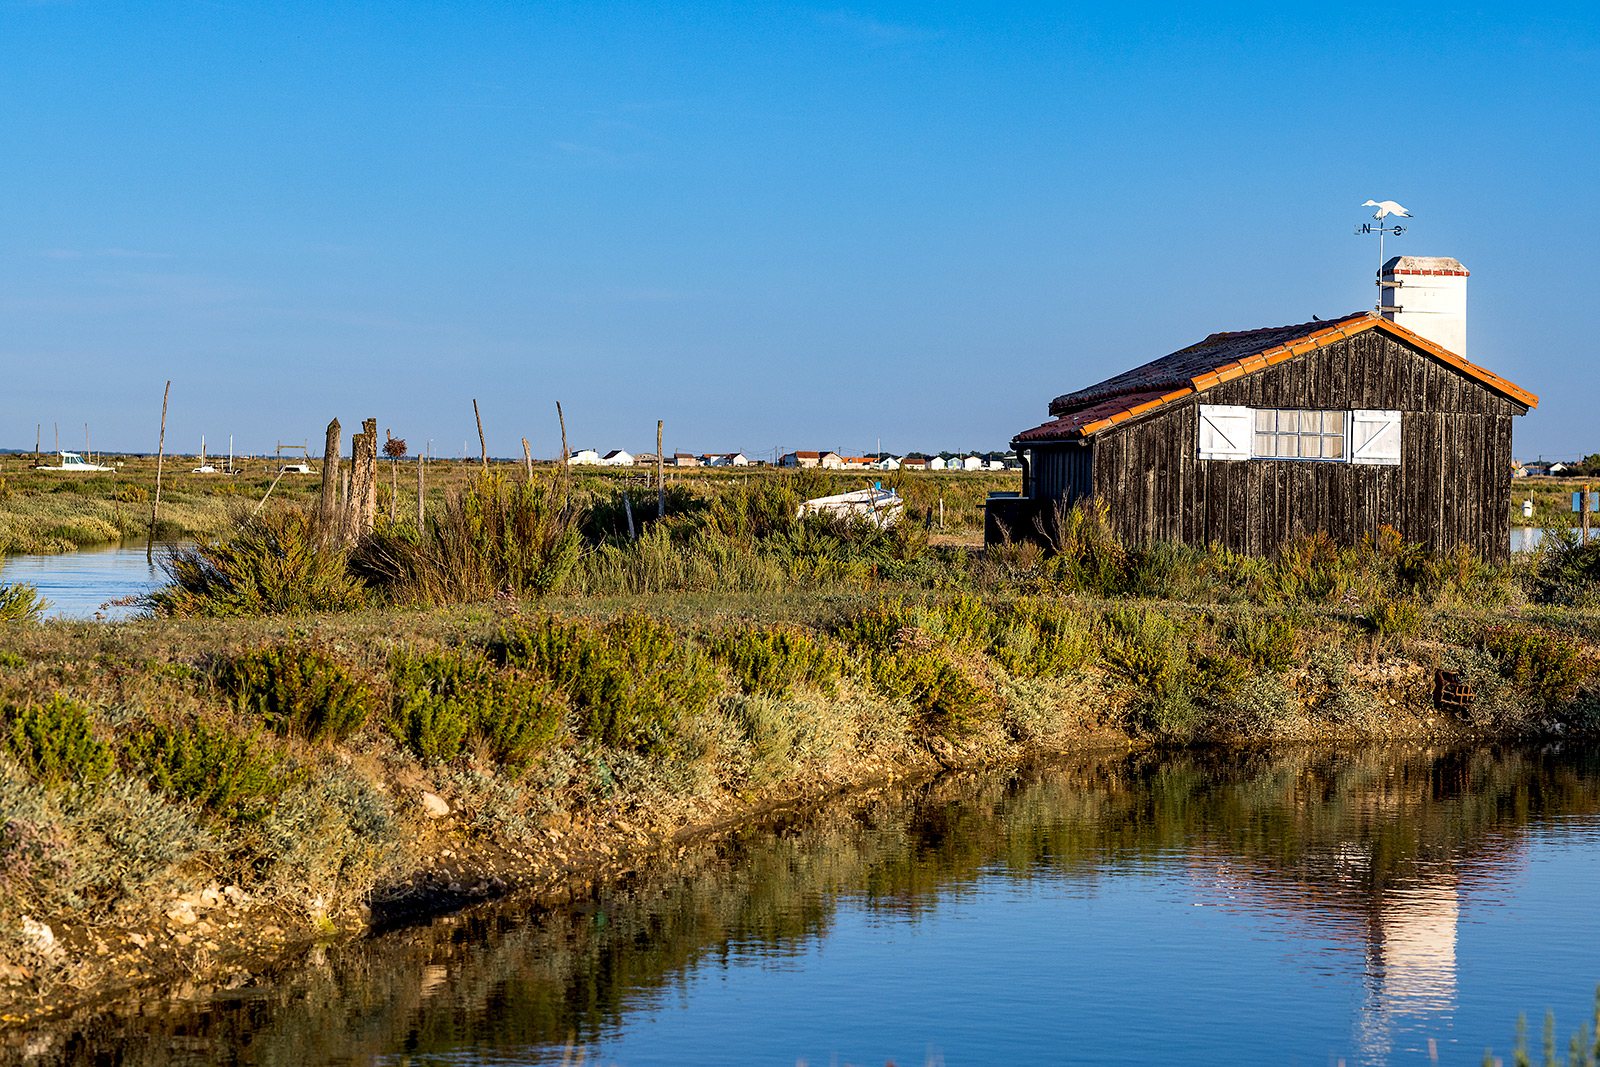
(1428, 296)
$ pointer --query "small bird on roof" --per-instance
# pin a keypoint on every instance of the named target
(1386, 207)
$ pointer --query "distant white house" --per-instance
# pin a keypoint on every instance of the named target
(727, 459)
(995, 465)
(920, 464)
(887, 463)
(936, 463)
(831, 461)
(685, 459)
(617, 458)
(800, 459)
(972, 463)
(583, 456)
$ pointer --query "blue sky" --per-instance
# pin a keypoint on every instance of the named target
(772, 226)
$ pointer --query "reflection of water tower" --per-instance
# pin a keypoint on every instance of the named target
(1413, 953)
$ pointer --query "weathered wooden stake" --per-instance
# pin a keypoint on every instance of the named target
(1584, 501)
(328, 516)
(394, 488)
(362, 510)
(482, 446)
(661, 484)
(527, 459)
(566, 458)
(161, 451)
(627, 506)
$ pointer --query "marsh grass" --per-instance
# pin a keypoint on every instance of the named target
(272, 565)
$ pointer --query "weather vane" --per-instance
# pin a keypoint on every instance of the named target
(1385, 209)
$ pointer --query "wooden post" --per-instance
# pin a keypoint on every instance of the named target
(1584, 502)
(328, 505)
(361, 510)
(394, 487)
(566, 457)
(661, 484)
(38, 439)
(482, 446)
(161, 451)
(627, 506)
(421, 529)
(527, 459)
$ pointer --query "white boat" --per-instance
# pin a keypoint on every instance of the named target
(879, 506)
(296, 468)
(72, 461)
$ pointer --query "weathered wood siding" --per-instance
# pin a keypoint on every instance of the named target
(1452, 486)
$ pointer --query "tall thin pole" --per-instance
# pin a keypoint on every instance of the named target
(527, 459)
(566, 457)
(161, 451)
(420, 527)
(661, 485)
(482, 445)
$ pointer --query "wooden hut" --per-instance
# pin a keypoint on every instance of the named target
(1251, 439)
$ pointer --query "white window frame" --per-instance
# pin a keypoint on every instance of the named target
(1226, 432)
(1371, 437)
(1374, 437)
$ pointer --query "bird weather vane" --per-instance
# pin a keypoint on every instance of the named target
(1385, 209)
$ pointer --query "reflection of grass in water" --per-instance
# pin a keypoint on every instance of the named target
(520, 979)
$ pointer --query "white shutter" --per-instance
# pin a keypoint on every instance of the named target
(1225, 432)
(1375, 437)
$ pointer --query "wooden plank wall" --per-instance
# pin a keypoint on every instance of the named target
(1453, 484)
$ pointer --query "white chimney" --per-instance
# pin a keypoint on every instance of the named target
(1428, 296)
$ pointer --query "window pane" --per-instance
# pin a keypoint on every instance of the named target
(1310, 447)
(1311, 422)
(1333, 447)
(1333, 422)
(1288, 446)
(1265, 419)
(1265, 444)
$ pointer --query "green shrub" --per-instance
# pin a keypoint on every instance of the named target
(947, 701)
(774, 661)
(1546, 667)
(632, 679)
(1260, 705)
(270, 566)
(297, 691)
(55, 742)
(880, 626)
(332, 839)
(1217, 678)
(444, 700)
(1267, 642)
(1040, 639)
(224, 773)
(1312, 567)
(1333, 696)
(95, 847)
(20, 602)
(496, 536)
(1151, 653)
(1394, 618)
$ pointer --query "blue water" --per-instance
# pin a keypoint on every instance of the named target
(81, 585)
(1304, 907)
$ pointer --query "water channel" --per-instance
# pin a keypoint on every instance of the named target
(1295, 907)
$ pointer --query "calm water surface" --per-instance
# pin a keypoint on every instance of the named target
(1304, 907)
(80, 585)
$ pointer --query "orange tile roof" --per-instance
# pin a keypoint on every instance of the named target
(1222, 357)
